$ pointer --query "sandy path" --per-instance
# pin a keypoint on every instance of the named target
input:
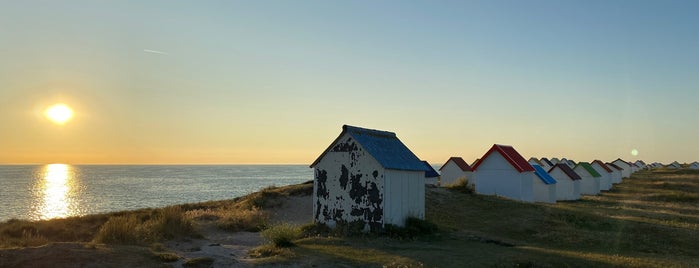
(229, 249)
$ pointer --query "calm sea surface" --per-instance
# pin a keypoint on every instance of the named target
(57, 190)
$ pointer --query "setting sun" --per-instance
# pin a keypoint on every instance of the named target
(59, 113)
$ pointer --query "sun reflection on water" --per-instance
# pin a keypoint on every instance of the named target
(55, 187)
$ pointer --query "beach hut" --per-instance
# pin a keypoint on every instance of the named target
(534, 161)
(694, 165)
(625, 166)
(641, 164)
(616, 172)
(454, 169)
(590, 184)
(502, 171)
(555, 160)
(546, 162)
(567, 182)
(605, 182)
(369, 176)
(431, 175)
(568, 162)
(674, 165)
(544, 187)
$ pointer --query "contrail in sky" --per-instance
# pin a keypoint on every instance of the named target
(155, 51)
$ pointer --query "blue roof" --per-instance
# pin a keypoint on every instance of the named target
(384, 146)
(430, 172)
(543, 175)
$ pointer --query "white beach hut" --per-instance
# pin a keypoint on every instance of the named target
(625, 166)
(616, 172)
(431, 175)
(544, 187)
(368, 175)
(502, 171)
(674, 165)
(454, 169)
(534, 161)
(605, 182)
(590, 184)
(640, 164)
(694, 165)
(545, 163)
(555, 160)
(567, 182)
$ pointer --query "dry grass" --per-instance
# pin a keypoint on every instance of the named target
(282, 235)
(650, 220)
(165, 223)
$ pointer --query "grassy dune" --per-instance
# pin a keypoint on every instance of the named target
(650, 220)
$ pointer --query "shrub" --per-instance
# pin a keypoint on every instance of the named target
(33, 239)
(265, 198)
(282, 235)
(168, 223)
(252, 220)
(119, 230)
(165, 223)
(461, 185)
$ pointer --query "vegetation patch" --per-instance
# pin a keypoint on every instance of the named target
(252, 220)
(201, 262)
(282, 235)
(461, 185)
(166, 223)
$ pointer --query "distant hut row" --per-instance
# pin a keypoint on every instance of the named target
(370, 176)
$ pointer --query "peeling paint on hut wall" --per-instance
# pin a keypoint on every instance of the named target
(368, 176)
(349, 186)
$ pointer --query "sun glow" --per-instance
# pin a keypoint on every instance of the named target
(56, 185)
(59, 113)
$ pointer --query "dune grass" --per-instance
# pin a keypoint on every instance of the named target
(650, 220)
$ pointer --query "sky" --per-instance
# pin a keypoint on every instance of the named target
(241, 82)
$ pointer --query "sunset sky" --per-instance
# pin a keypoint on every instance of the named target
(273, 81)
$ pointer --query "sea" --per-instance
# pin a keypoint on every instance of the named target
(39, 192)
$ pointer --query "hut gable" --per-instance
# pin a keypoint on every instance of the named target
(546, 161)
(567, 182)
(567, 171)
(459, 162)
(625, 167)
(544, 187)
(694, 165)
(605, 173)
(504, 172)
(431, 175)
(351, 179)
(454, 169)
(543, 175)
(590, 178)
(508, 153)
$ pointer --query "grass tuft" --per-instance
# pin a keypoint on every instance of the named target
(119, 230)
(200, 262)
(253, 220)
(166, 223)
(282, 235)
(461, 185)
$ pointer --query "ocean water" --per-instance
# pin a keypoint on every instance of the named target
(55, 191)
